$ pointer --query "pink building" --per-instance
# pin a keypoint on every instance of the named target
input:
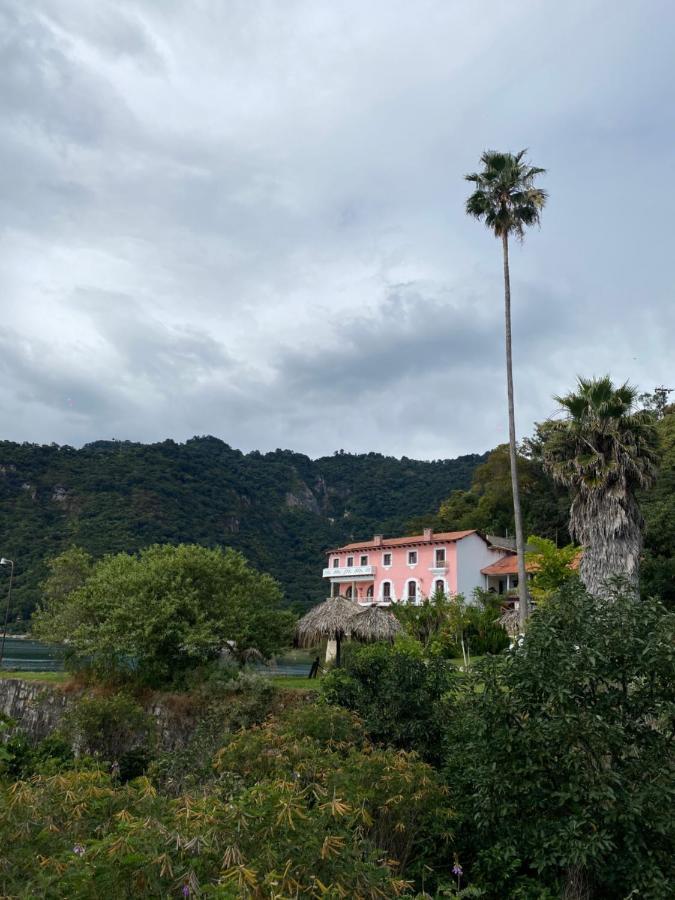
(407, 569)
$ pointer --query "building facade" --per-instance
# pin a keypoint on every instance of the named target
(409, 569)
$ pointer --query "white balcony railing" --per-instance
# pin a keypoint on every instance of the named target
(349, 571)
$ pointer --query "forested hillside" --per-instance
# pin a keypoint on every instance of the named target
(281, 509)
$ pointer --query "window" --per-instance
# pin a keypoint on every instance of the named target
(440, 556)
(348, 593)
(369, 592)
(364, 561)
(412, 590)
(336, 563)
(350, 561)
(440, 586)
(412, 557)
(386, 559)
(386, 590)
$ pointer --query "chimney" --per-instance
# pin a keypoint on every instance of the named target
(428, 534)
(377, 540)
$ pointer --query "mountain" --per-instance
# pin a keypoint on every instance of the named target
(281, 509)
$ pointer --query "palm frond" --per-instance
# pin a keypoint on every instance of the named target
(506, 199)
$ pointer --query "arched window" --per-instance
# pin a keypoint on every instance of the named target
(348, 593)
(386, 590)
(369, 592)
(440, 586)
(412, 591)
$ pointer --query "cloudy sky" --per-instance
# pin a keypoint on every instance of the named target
(245, 217)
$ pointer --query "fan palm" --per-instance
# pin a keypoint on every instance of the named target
(603, 451)
(507, 201)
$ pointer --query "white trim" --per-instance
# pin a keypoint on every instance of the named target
(391, 559)
(446, 591)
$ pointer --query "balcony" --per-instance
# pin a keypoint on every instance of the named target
(350, 572)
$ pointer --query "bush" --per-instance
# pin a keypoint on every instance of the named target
(397, 694)
(293, 814)
(223, 705)
(560, 755)
(108, 726)
(19, 758)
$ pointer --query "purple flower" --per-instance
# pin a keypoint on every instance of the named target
(457, 870)
(186, 891)
(78, 850)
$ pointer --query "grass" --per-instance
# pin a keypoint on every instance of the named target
(295, 682)
(50, 677)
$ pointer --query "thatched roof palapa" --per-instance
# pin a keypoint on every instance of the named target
(375, 624)
(331, 619)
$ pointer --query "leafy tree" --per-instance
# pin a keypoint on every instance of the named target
(507, 201)
(67, 572)
(604, 451)
(658, 505)
(167, 610)
(488, 505)
(560, 754)
(551, 566)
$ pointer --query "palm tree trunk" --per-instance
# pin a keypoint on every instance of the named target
(523, 598)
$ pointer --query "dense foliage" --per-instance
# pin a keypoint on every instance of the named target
(165, 611)
(300, 806)
(281, 509)
(488, 505)
(560, 754)
(397, 692)
(544, 771)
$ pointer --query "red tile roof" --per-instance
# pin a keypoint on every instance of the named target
(508, 565)
(440, 537)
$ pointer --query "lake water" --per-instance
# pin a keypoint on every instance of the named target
(32, 656)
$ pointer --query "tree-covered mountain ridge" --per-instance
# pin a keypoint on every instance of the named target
(281, 509)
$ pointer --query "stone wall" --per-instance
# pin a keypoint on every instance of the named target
(36, 708)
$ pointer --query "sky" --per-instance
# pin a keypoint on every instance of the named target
(245, 218)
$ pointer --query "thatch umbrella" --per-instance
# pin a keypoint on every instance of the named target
(375, 624)
(331, 619)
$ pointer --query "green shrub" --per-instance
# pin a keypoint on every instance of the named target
(293, 814)
(19, 758)
(397, 694)
(559, 753)
(108, 726)
(224, 705)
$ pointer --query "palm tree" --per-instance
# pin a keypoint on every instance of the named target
(604, 451)
(507, 201)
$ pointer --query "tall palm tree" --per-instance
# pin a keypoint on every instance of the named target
(604, 451)
(507, 201)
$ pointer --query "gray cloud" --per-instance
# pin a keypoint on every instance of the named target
(247, 219)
